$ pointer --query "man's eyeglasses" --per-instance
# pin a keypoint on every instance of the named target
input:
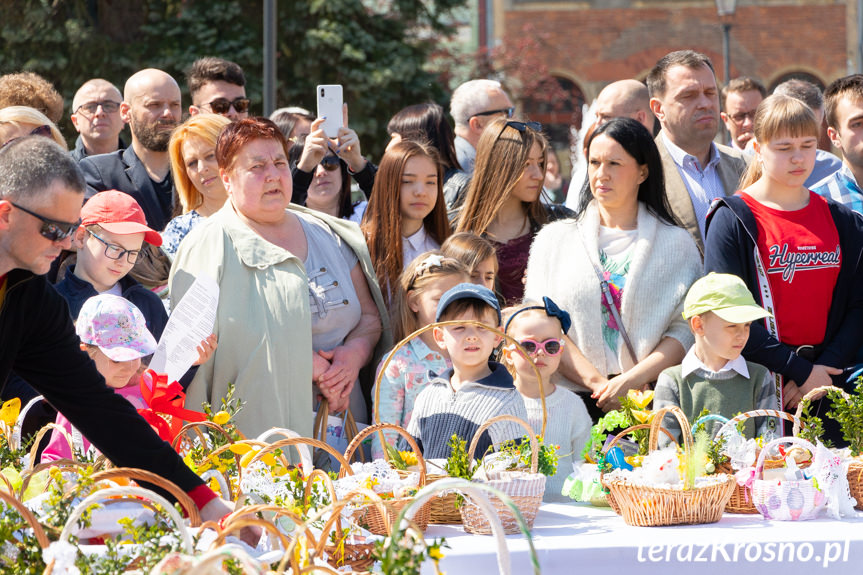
(108, 106)
(330, 163)
(741, 117)
(40, 131)
(53, 230)
(115, 252)
(551, 347)
(508, 111)
(222, 105)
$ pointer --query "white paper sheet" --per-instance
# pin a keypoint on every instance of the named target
(190, 322)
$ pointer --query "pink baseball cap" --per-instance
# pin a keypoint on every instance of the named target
(116, 327)
(119, 213)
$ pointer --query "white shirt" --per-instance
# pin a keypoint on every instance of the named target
(417, 244)
(691, 363)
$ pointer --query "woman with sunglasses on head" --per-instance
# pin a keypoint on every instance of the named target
(20, 121)
(192, 148)
(330, 189)
(503, 200)
(621, 268)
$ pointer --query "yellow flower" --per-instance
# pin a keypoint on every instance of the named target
(435, 554)
(240, 448)
(409, 457)
(10, 410)
(640, 398)
(642, 416)
(221, 418)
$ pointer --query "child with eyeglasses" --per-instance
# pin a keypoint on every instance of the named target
(539, 329)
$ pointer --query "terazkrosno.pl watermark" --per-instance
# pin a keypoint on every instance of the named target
(824, 553)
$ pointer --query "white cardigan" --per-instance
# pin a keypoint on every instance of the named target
(665, 262)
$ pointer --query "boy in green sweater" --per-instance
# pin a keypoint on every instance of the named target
(713, 375)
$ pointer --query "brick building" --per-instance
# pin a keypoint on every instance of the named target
(590, 43)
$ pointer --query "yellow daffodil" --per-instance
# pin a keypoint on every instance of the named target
(640, 398)
(240, 448)
(409, 457)
(10, 410)
(642, 416)
(221, 418)
(435, 554)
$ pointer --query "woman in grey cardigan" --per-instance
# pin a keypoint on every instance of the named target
(621, 260)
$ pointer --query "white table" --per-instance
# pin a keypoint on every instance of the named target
(578, 538)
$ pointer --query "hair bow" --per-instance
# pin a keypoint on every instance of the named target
(551, 310)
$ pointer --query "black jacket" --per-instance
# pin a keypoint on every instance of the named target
(38, 341)
(123, 170)
(731, 238)
(80, 152)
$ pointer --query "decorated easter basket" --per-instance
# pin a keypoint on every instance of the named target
(369, 516)
(525, 489)
(444, 510)
(741, 499)
(782, 499)
(855, 464)
(647, 506)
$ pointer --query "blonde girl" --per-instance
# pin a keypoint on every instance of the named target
(797, 253)
(476, 253)
(540, 329)
(422, 284)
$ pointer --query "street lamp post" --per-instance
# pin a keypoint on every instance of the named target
(725, 9)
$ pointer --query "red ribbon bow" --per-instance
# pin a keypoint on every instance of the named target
(165, 399)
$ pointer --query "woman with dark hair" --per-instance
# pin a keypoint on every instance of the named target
(427, 123)
(621, 268)
(299, 305)
(330, 189)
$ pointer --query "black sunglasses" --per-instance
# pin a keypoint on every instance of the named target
(40, 131)
(222, 105)
(330, 163)
(508, 111)
(52, 230)
(520, 126)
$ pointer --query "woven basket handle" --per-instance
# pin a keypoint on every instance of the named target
(217, 556)
(606, 448)
(368, 431)
(509, 339)
(196, 427)
(732, 423)
(65, 465)
(34, 450)
(300, 443)
(800, 442)
(28, 516)
(531, 435)
(15, 440)
(814, 394)
(241, 522)
(143, 475)
(137, 492)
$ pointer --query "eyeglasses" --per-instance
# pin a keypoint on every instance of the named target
(40, 131)
(551, 347)
(520, 126)
(116, 252)
(331, 163)
(53, 230)
(108, 106)
(741, 117)
(508, 111)
(222, 105)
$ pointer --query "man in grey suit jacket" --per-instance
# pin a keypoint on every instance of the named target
(685, 99)
(151, 106)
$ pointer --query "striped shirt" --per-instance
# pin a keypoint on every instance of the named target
(703, 184)
(841, 187)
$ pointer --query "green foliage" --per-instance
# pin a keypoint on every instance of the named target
(406, 555)
(848, 412)
(19, 553)
(546, 460)
(154, 543)
(458, 464)
(812, 427)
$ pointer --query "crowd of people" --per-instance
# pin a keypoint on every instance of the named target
(467, 223)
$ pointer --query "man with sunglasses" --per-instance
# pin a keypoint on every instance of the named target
(96, 117)
(151, 105)
(41, 193)
(473, 106)
(218, 86)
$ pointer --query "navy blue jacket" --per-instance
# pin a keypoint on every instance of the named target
(123, 170)
(732, 235)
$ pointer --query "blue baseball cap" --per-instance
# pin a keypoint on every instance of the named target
(468, 291)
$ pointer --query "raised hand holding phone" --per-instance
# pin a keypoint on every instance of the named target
(348, 145)
(329, 97)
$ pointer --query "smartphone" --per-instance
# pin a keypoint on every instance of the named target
(330, 107)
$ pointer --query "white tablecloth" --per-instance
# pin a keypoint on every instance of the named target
(578, 538)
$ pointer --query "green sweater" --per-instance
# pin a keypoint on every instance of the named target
(725, 393)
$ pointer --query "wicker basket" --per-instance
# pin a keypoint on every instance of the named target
(525, 489)
(855, 465)
(645, 506)
(741, 498)
(782, 499)
(181, 496)
(369, 515)
(445, 509)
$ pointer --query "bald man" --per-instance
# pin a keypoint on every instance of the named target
(96, 117)
(625, 98)
(151, 105)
